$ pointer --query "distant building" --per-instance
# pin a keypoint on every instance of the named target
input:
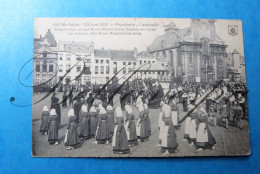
(45, 60)
(195, 53)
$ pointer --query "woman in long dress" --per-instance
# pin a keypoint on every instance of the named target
(64, 100)
(44, 121)
(120, 143)
(175, 114)
(187, 128)
(53, 128)
(103, 133)
(110, 119)
(84, 123)
(93, 121)
(169, 143)
(72, 139)
(130, 126)
(147, 119)
(205, 139)
(141, 128)
(193, 126)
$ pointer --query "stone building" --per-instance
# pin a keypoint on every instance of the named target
(195, 53)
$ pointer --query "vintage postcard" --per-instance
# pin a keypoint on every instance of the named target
(139, 87)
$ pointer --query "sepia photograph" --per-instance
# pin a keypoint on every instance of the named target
(139, 87)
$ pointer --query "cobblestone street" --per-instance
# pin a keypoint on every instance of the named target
(232, 141)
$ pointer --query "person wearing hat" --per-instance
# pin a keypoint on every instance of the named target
(53, 128)
(110, 120)
(204, 140)
(102, 133)
(64, 100)
(55, 105)
(141, 128)
(89, 101)
(168, 135)
(147, 119)
(84, 127)
(72, 139)
(238, 114)
(225, 116)
(92, 121)
(130, 126)
(44, 121)
(241, 101)
(120, 142)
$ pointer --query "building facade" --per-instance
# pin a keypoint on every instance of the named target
(195, 53)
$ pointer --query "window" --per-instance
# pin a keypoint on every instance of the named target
(107, 79)
(96, 69)
(129, 69)
(87, 60)
(78, 59)
(124, 70)
(107, 61)
(60, 58)
(38, 68)
(60, 68)
(190, 57)
(50, 68)
(115, 70)
(149, 61)
(102, 61)
(134, 63)
(37, 78)
(78, 68)
(162, 64)
(145, 61)
(102, 69)
(107, 69)
(96, 61)
(68, 57)
(124, 63)
(153, 61)
(129, 63)
(115, 63)
(140, 62)
(44, 68)
(87, 70)
(67, 68)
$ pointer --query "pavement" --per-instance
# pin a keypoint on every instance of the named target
(230, 142)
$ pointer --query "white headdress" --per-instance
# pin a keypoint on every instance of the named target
(71, 113)
(45, 108)
(53, 112)
(109, 108)
(84, 108)
(92, 109)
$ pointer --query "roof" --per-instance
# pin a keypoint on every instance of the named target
(151, 67)
(122, 55)
(102, 53)
(145, 54)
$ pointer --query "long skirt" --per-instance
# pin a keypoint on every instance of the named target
(202, 136)
(193, 131)
(44, 124)
(120, 142)
(169, 142)
(187, 128)
(72, 136)
(53, 132)
(84, 128)
(211, 140)
(111, 124)
(131, 131)
(175, 119)
(92, 126)
(103, 133)
(148, 125)
(141, 130)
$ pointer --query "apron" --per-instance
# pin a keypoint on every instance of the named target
(187, 126)
(138, 128)
(114, 136)
(175, 118)
(127, 131)
(202, 134)
(193, 132)
(164, 135)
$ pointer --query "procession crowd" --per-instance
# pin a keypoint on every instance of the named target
(95, 114)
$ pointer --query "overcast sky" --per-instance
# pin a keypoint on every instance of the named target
(41, 25)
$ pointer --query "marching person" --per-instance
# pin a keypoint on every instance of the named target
(225, 116)
(193, 126)
(53, 128)
(141, 128)
(175, 114)
(238, 114)
(93, 121)
(169, 142)
(102, 133)
(64, 100)
(147, 119)
(44, 120)
(120, 143)
(241, 101)
(89, 101)
(185, 102)
(71, 98)
(55, 105)
(110, 120)
(187, 128)
(84, 123)
(212, 116)
(160, 125)
(72, 139)
(204, 137)
(130, 126)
